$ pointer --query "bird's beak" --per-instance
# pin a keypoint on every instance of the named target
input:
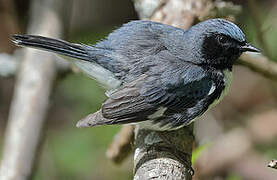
(248, 47)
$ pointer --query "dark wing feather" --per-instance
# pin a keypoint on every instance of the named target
(125, 105)
(183, 93)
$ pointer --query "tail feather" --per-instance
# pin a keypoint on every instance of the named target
(54, 45)
(94, 119)
(97, 119)
(86, 56)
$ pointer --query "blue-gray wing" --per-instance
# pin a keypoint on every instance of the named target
(178, 89)
(184, 94)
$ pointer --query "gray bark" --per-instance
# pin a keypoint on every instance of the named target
(30, 101)
(8, 65)
(157, 158)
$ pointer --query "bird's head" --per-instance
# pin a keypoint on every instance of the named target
(221, 42)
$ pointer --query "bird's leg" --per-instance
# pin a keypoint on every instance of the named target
(180, 155)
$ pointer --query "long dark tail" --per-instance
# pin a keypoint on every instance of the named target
(54, 45)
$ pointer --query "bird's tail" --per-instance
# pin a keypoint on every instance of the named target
(53, 45)
(86, 56)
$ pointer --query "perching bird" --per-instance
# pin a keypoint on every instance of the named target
(159, 76)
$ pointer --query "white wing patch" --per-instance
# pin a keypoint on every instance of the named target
(227, 82)
(212, 89)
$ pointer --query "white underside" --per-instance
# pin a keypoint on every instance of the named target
(156, 126)
(100, 74)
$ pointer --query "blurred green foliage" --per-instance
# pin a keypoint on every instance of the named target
(198, 151)
(233, 177)
(268, 149)
(269, 28)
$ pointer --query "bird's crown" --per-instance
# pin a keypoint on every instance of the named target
(221, 26)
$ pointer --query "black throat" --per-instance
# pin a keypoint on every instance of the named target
(217, 56)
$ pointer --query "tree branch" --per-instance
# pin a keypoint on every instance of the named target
(155, 159)
(255, 11)
(260, 64)
(273, 164)
(122, 144)
(8, 65)
(30, 101)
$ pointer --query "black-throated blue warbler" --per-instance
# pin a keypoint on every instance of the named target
(159, 76)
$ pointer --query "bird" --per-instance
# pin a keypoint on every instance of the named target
(157, 76)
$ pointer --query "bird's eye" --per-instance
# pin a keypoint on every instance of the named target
(222, 39)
